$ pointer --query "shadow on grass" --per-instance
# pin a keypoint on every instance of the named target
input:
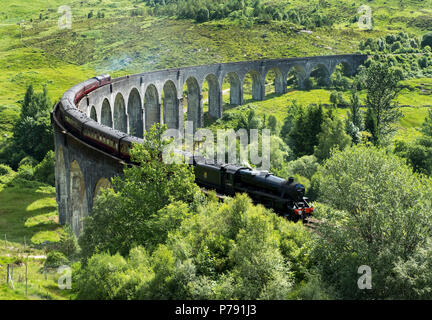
(28, 211)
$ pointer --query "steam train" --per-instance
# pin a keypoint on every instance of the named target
(285, 197)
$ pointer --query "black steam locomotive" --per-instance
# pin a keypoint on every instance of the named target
(286, 197)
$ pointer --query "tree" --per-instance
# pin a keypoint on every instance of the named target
(419, 152)
(229, 250)
(273, 125)
(354, 113)
(353, 123)
(376, 213)
(33, 134)
(371, 125)
(45, 170)
(332, 136)
(124, 218)
(304, 133)
(249, 120)
(202, 15)
(382, 85)
(427, 124)
(427, 40)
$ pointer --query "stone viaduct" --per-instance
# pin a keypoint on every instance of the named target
(134, 103)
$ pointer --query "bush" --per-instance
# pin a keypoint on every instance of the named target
(25, 172)
(68, 243)
(108, 277)
(28, 161)
(55, 259)
(305, 166)
(45, 170)
(5, 170)
(427, 40)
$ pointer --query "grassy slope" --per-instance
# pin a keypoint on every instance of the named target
(28, 218)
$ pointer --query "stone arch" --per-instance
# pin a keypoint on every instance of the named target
(345, 67)
(78, 198)
(120, 118)
(103, 183)
(135, 114)
(170, 105)
(338, 75)
(106, 115)
(93, 114)
(276, 79)
(236, 88)
(214, 96)
(321, 74)
(296, 77)
(61, 185)
(258, 88)
(151, 107)
(194, 102)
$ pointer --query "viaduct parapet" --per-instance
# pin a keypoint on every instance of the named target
(127, 106)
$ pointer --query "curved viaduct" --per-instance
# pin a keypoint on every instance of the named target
(134, 103)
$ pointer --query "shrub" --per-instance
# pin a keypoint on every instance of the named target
(427, 40)
(68, 243)
(25, 172)
(27, 161)
(5, 170)
(45, 170)
(55, 259)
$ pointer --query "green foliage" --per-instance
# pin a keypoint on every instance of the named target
(273, 125)
(354, 121)
(5, 170)
(249, 120)
(28, 161)
(305, 166)
(68, 244)
(426, 127)
(25, 172)
(303, 135)
(125, 218)
(280, 153)
(233, 250)
(107, 277)
(427, 40)
(332, 136)
(55, 259)
(378, 213)
(382, 88)
(243, 11)
(413, 276)
(45, 170)
(32, 132)
(418, 152)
